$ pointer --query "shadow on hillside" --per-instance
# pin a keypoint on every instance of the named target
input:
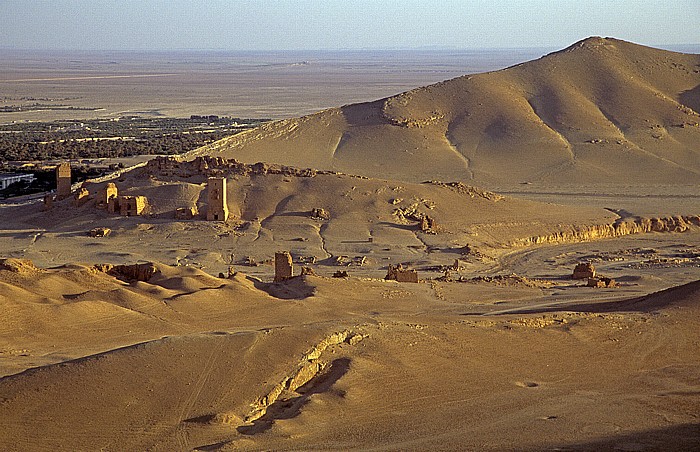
(291, 407)
(295, 288)
(365, 114)
(691, 98)
(685, 294)
(676, 438)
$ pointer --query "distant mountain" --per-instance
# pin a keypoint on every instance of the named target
(601, 110)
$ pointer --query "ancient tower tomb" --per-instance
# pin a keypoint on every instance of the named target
(108, 192)
(63, 184)
(284, 268)
(132, 205)
(217, 210)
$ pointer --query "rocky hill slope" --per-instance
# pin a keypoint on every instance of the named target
(601, 110)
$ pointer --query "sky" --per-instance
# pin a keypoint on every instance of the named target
(340, 24)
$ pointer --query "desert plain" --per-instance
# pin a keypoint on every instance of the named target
(493, 187)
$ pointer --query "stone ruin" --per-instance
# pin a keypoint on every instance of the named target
(583, 271)
(400, 274)
(107, 193)
(133, 272)
(428, 225)
(81, 196)
(48, 202)
(99, 232)
(601, 282)
(129, 272)
(63, 181)
(132, 205)
(109, 197)
(220, 167)
(318, 213)
(186, 213)
(217, 208)
(284, 268)
(307, 271)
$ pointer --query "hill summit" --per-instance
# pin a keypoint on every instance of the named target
(579, 115)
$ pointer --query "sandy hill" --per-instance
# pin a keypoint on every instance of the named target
(575, 116)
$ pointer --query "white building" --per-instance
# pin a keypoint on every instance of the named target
(9, 178)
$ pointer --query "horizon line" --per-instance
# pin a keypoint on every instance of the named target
(327, 49)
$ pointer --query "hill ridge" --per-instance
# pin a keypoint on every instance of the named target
(572, 116)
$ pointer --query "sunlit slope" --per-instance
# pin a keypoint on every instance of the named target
(602, 110)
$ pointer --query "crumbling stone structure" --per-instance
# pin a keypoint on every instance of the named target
(186, 213)
(217, 209)
(63, 181)
(401, 274)
(132, 205)
(284, 268)
(601, 282)
(113, 205)
(219, 166)
(318, 213)
(81, 196)
(428, 224)
(583, 271)
(100, 232)
(134, 272)
(109, 191)
(48, 202)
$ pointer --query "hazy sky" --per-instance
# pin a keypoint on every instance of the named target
(340, 24)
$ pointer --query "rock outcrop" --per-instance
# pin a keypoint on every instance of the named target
(619, 228)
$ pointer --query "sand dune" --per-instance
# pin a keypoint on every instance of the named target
(241, 369)
(574, 116)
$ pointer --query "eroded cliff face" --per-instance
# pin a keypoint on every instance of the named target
(618, 228)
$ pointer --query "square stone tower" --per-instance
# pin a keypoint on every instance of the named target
(217, 210)
(284, 268)
(63, 181)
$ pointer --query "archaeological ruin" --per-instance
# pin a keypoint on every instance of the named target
(583, 271)
(217, 210)
(400, 274)
(63, 181)
(284, 268)
(109, 191)
(132, 205)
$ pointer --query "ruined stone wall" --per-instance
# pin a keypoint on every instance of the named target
(132, 205)
(221, 167)
(401, 274)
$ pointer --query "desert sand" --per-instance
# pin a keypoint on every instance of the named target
(495, 348)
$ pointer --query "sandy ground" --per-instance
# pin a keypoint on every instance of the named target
(187, 360)
(246, 84)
